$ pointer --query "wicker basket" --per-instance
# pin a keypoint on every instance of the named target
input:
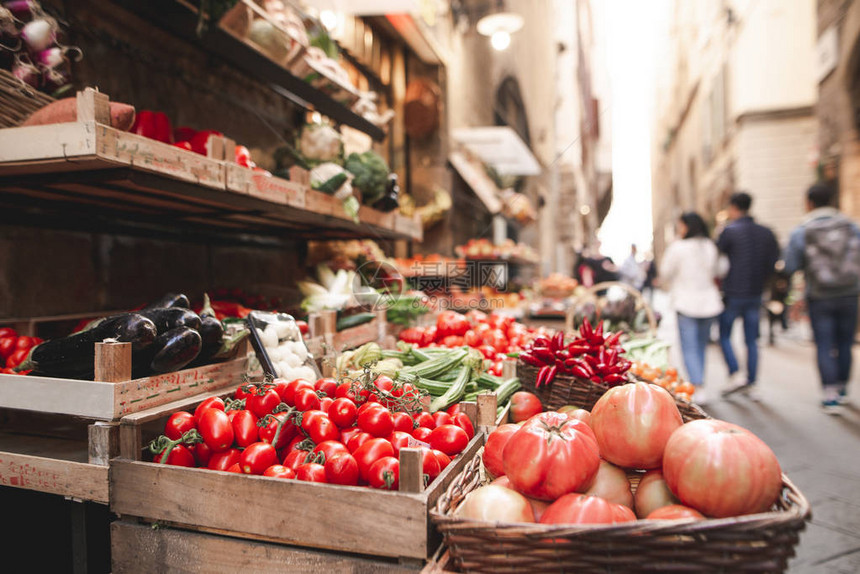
(18, 100)
(753, 543)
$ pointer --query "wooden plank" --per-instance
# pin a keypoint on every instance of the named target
(113, 361)
(356, 336)
(320, 202)
(172, 550)
(411, 470)
(383, 523)
(92, 106)
(57, 143)
(103, 442)
(82, 481)
(267, 187)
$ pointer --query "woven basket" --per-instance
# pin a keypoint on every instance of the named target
(18, 100)
(753, 543)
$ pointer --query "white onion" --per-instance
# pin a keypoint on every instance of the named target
(38, 34)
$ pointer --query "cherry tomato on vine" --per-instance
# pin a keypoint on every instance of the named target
(268, 431)
(180, 455)
(202, 454)
(319, 427)
(290, 389)
(384, 473)
(450, 439)
(311, 472)
(346, 390)
(295, 459)
(224, 459)
(215, 428)
(258, 457)
(279, 471)
(341, 469)
(331, 448)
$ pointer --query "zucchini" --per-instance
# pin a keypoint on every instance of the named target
(332, 184)
(454, 393)
(354, 320)
(439, 365)
(170, 300)
(74, 356)
(167, 318)
(175, 349)
(506, 389)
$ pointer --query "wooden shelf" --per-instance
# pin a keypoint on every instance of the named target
(508, 260)
(180, 20)
(86, 174)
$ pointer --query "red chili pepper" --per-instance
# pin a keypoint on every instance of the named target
(550, 376)
(557, 341)
(541, 343)
(596, 340)
(614, 338)
(580, 372)
(544, 355)
(531, 360)
(595, 379)
(577, 349)
(599, 330)
(591, 360)
(541, 376)
(585, 329)
(614, 379)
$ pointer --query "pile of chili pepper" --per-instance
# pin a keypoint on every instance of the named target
(593, 356)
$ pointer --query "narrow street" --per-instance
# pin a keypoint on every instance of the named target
(818, 452)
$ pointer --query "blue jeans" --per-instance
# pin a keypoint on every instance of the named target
(695, 334)
(834, 322)
(748, 308)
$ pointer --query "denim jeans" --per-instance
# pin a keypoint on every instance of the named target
(694, 334)
(749, 309)
(834, 322)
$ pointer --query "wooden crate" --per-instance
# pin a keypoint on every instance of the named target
(105, 400)
(342, 518)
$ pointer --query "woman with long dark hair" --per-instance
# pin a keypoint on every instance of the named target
(689, 270)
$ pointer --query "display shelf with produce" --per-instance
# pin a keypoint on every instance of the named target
(88, 171)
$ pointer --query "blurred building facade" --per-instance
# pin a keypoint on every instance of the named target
(734, 111)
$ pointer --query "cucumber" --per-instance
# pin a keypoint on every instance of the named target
(170, 300)
(332, 184)
(167, 318)
(74, 356)
(354, 320)
(175, 349)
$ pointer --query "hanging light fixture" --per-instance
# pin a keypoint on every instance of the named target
(499, 26)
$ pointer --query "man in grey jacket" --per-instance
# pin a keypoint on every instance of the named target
(826, 247)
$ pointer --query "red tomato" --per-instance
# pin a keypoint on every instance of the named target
(551, 456)
(441, 418)
(7, 346)
(376, 421)
(242, 392)
(319, 427)
(289, 391)
(17, 357)
(454, 409)
(341, 469)
(384, 473)
(524, 405)
(452, 341)
(633, 423)
(269, 431)
(488, 351)
(475, 316)
(371, 451)
(398, 440)
(262, 402)
(178, 424)
(345, 390)
(210, 403)
(7, 332)
(384, 383)
(422, 434)
(429, 463)
(496, 369)
(303, 326)
(258, 457)
(179, 456)
(721, 469)
(652, 493)
(429, 337)
(280, 387)
(463, 421)
(348, 433)
(403, 422)
(295, 459)
(443, 459)
(675, 512)
(425, 419)
(327, 386)
(202, 454)
(25, 343)
(342, 412)
(325, 404)
(306, 400)
(224, 459)
(235, 468)
(311, 472)
(279, 471)
(216, 430)
(472, 338)
(357, 440)
(412, 335)
(331, 448)
(245, 429)
(577, 508)
(450, 439)
(496, 442)
(451, 323)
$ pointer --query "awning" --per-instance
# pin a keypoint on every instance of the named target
(501, 148)
(476, 177)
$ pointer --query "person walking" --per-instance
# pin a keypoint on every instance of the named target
(631, 271)
(752, 251)
(826, 247)
(688, 271)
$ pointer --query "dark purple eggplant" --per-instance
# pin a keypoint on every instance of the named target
(175, 349)
(169, 318)
(170, 300)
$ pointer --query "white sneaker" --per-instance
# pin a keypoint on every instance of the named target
(701, 397)
(737, 382)
(753, 393)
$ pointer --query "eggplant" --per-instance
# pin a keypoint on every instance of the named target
(170, 300)
(212, 332)
(175, 349)
(167, 318)
(390, 199)
(74, 356)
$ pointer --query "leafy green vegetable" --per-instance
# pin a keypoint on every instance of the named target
(371, 174)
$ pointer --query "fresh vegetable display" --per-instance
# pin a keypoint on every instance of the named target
(14, 349)
(282, 340)
(593, 356)
(582, 471)
(346, 432)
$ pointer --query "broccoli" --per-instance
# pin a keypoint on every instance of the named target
(371, 174)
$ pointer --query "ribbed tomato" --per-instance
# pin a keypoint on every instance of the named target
(496, 442)
(611, 484)
(721, 469)
(652, 493)
(581, 509)
(551, 455)
(632, 424)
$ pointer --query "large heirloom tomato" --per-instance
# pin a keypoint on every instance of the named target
(632, 424)
(611, 484)
(721, 469)
(496, 504)
(652, 493)
(495, 445)
(551, 455)
(582, 509)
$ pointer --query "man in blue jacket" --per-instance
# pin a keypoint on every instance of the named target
(752, 251)
(826, 247)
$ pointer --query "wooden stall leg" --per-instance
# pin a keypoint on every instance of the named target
(78, 513)
(486, 412)
(411, 470)
(323, 326)
(113, 362)
(93, 106)
(103, 442)
(509, 368)
(471, 410)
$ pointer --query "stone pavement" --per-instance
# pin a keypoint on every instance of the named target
(818, 452)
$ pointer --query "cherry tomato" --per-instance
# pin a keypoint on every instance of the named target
(268, 431)
(429, 463)
(331, 448)
(180, 455)
(475, 316)
(258, 457)
(242, 392)
(384, 383)
(303, 326)
(422, 434)
(398, 440)
(472, 338)
(463, 421)
(306, 400)
(357, 440)
(430, 335)
(16, 358)
(403, 422)
(295, 459)
(280, 387)
(450, 439)
(216, 430)
(262, 401)
(425, 420)
(377, 421)
(178, 424)
(443, 459)
(245, 431)
(441, 418)
(453, 409)
(345, 390)
(290, 390)
(7, 346)
(7, 332)
(210, 403)
(370, 404)
(325, 404)
(224, 459)
(342, 412)
(279, 471)
(202, 454)
(235, 468)
(311, 472)
(327, 386)
(384, 473)
(319, 427)
(25, 343)
(341, 469)
(371, 451)
(452, 341)
(488, 351)
(348, 433)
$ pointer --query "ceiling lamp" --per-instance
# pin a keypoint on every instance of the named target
(499, 27)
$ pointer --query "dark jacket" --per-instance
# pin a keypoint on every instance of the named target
(752, 250)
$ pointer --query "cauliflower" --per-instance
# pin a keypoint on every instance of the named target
(320, 143)
(370, 174)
